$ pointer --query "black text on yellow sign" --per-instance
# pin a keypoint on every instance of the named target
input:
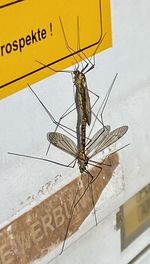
(31, 31)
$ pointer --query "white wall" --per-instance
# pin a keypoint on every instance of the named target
(24, 125)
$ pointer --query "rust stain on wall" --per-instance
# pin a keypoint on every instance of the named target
(42, 228)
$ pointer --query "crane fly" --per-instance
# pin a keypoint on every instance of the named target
(102, 139)
(79, 78)
(82, 153)
(64, 127)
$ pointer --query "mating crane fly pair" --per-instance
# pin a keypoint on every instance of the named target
(86, 147)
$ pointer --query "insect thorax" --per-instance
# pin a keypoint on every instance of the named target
(79, 79)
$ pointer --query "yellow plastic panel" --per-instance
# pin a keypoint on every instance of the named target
(31, 30)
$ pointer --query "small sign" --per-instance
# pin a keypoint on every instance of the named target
(31, 31)
(134, 216)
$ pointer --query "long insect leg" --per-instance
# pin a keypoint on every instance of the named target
(79, 49)
(69, 221)
(57, 123)
(101, 37)
(42, 159)
(90, 176)
(102, 107)
(106, 98)
(75, 203)
(70, 49)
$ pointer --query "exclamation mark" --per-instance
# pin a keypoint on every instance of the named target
(51, 28)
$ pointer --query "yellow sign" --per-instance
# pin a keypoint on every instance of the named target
(135, 216)
(31, 31)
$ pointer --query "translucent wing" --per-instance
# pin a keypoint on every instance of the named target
(82, 96)
(97, 139)
(112, 137)
(62, 142)
(88, 104)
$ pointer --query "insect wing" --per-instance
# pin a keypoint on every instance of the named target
(88, 104)
(112, 137)
(62, 142)
(98, 138)
(82, 99)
